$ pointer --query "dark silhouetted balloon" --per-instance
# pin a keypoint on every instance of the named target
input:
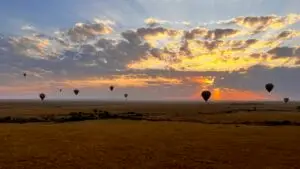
(285, 100)
(42, 96)
(206, 95)
(126, 95)
(24, 74)
(269, 87)
(60, 90)
(111, 88)
(76, 91)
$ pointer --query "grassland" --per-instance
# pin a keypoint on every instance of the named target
(144, 144)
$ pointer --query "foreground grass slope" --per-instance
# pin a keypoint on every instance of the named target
(139, 144)
(115, 144)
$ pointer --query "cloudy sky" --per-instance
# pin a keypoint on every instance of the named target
(150, 49)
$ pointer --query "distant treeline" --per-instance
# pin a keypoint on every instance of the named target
(73, 116)
(96, 114)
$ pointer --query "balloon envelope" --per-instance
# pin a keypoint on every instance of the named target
(285, 100)
(111, 88)
(269, 87)
(125, 95)
(206, 95)
(76, 91)
(42, 96)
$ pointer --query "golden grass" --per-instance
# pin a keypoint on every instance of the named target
(139, 144)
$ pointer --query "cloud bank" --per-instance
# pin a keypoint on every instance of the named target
(96, 54)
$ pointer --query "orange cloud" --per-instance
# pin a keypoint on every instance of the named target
(122, 81)
(36, 47)
(221, 49)
(235, 94)
(26, 88)
(130, 80)
(154, 35)
(222, 94)
(139, 81)
(234, 61)
(262, 23)
(216, 55)
(203, 81)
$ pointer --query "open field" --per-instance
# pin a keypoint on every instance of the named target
(115, 143)
(138, 144)
(176, 111)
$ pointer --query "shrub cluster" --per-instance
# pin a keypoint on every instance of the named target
(73, 116)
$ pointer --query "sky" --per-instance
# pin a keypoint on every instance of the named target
(150, 49)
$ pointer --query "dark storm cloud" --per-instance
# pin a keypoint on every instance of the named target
(157, 30)
(255, 21)
(192, 34)
(262, 23)
(210, 45)
(84, 31)
(220, 33)
(85, 60)
(124, 52)
(285, 34)
(73, 65)
(14, 62)
(210, 34)
(132, 37)
(285, 51)
(251, 41)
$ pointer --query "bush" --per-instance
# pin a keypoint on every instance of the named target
(105, 114)
(5, 119)
(135, 114)
(48, 117)
(34, 119)
(19, 120)
(92, 116)
(80, 116)
(75, 116)
(131, 116)
(278, 123)
(62, 119)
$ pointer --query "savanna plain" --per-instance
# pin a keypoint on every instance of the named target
(141, 135)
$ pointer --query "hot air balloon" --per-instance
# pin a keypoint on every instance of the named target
(42, 96)
(24, 74)
(285, 100)
(126, 95)
(269, 87)
(206, 95)
(76, 91)
(111, 88)
(60, 90)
